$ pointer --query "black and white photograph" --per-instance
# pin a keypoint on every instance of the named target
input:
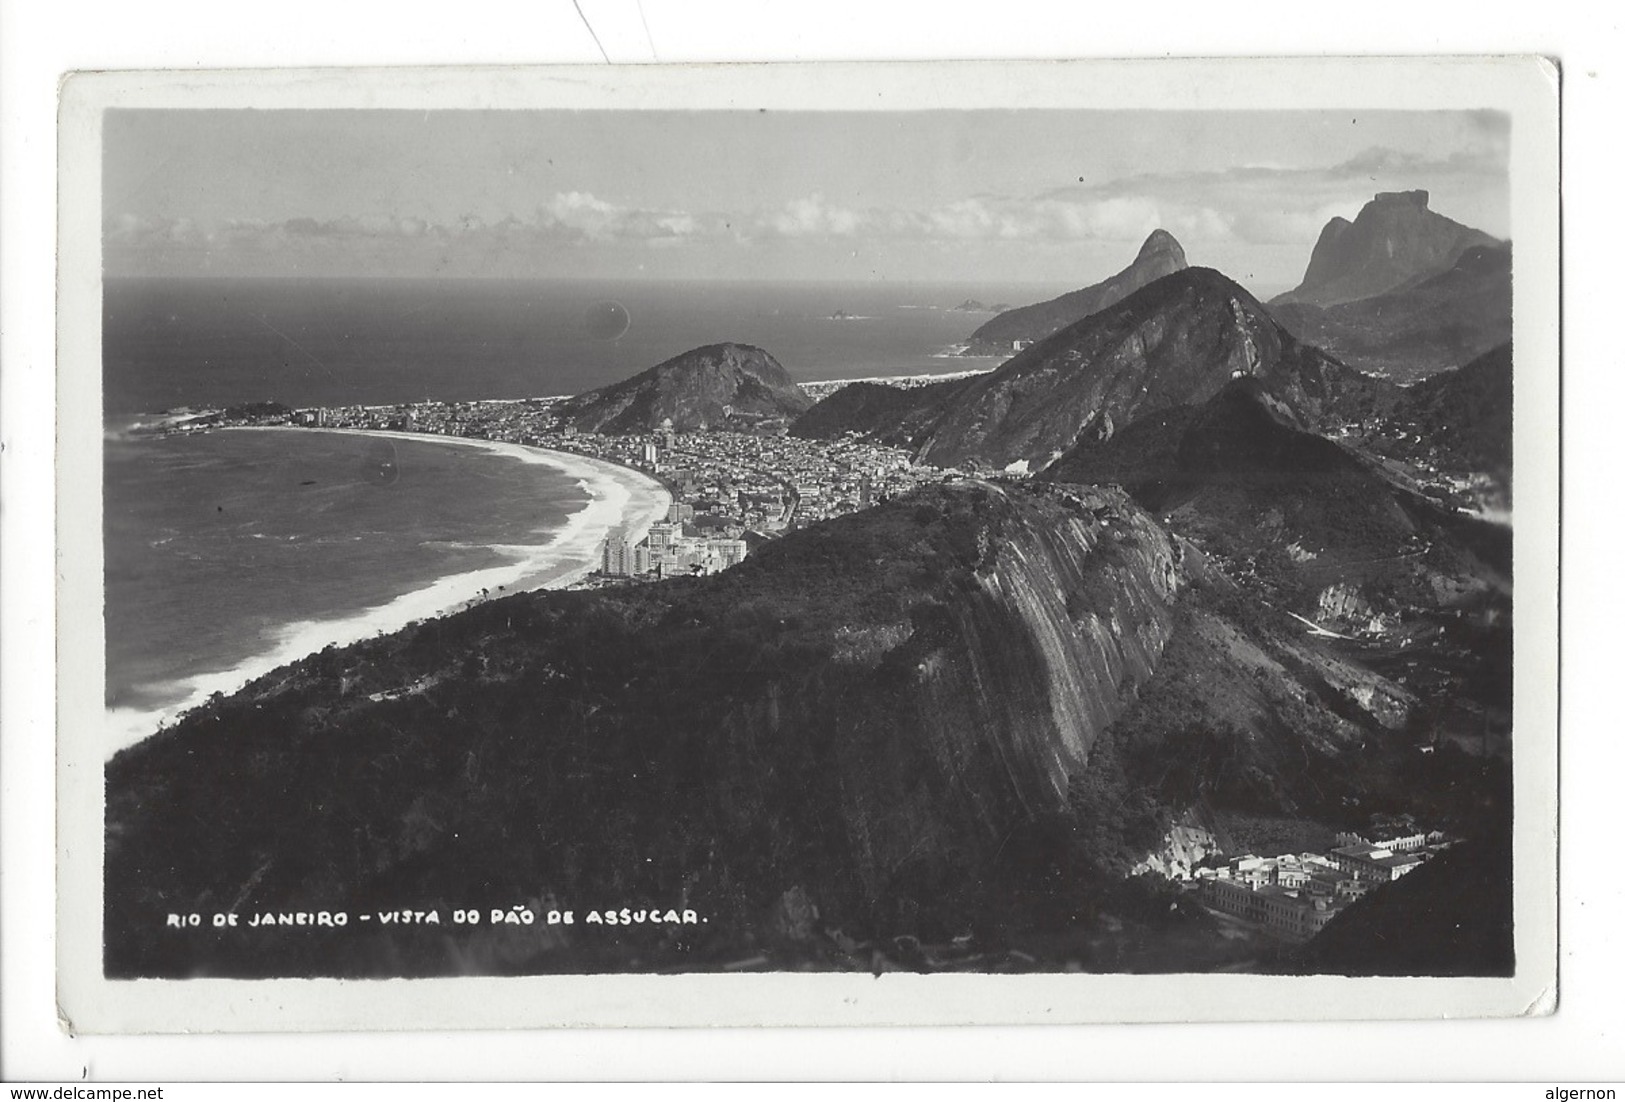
(731, 536)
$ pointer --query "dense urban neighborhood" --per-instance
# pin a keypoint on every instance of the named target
(1171, 643)
(730, 490)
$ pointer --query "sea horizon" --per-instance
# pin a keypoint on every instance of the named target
(496, 581)
(174, 342)
(183, 342)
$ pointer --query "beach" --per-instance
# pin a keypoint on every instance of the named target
(619, 501)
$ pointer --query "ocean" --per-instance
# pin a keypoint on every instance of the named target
(216, 543)
(227, 549)
(171, 343)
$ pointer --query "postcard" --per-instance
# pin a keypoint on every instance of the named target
(831, 544)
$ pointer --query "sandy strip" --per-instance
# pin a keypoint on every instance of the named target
(621, 501)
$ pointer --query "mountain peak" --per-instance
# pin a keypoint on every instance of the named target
(1417, 198)
(1178, 340)
(1160, 241)
(1159, 256)
(706, 387)
(1394, 240)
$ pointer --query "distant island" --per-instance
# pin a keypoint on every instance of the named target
(1015, 328)
(1172, 643)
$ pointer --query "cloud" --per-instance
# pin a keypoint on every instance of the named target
(810, 217)
(579, 219)
(1489, 159)
(1377, 159)
(138, 231)
(977, 218)
(578, 216)
(1119, 218)
(583, 213)
(1202, 224)
(1288, 226)
(1259, 204)
(1271, 204)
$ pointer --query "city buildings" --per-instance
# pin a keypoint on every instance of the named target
(617, 558)
(1370, 861)
(1296, 895)
(1294, 914)
(729, 489)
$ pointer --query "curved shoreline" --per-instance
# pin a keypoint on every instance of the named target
(620, 501)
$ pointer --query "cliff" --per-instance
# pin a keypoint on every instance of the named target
(936, 733)
(711, 387)
(1394, 240)
(1438, 321)
(1159, 256)
(873, 715)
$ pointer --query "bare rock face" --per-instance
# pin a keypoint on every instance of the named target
(1431, 324)
(1160, 255)
(717, 386)
(880, 727)
(1394, 240)
(709, 745)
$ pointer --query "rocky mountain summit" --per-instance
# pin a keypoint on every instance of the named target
(1174, 342)
(1394, 240)
(948, 730)
(716, 386)
(1436, 321)
(1159, 256)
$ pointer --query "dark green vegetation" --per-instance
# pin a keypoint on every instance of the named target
(1159, 256)
(1439, 320)
(717, 386)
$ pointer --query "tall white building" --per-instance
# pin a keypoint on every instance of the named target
(617, 557)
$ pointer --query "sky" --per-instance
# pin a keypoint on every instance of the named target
(1042, 196)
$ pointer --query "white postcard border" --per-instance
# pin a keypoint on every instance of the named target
(1525, 87)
